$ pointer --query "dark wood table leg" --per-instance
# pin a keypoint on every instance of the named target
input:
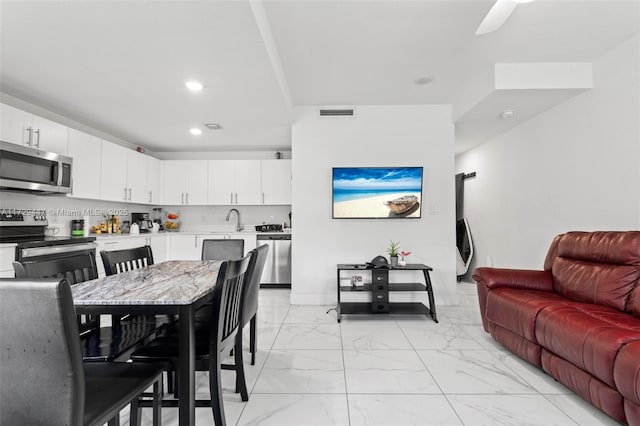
(186, 367)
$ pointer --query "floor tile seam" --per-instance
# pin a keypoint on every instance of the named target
(560, 408)
(344, 372)
(516, 373)
(454, 410)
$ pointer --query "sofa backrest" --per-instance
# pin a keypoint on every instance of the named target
(598, 267)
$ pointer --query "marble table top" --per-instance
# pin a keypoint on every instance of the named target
(175, 282)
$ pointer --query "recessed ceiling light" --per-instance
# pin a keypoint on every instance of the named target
(213, 126)
(193, 85)
(423, 80)
(508, 113)
(195, 131)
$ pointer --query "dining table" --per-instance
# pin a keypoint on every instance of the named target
(174, 287)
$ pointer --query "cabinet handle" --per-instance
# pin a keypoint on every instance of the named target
(125, 194)
(196, 244)
(150, 196)
(37, 132)
(108, 243)
(231, 195)
(236, 198)
(182, 198)
(187, 198)
(29, 132)
(263, 198)
(129, 194)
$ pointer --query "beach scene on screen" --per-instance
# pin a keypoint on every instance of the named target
(377, 192)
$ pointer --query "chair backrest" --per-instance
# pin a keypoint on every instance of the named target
(222, 249)
(41, 367)
(118, 261)
(252, 284)
(227, 303)
(75, 268)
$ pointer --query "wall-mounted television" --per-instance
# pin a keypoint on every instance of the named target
(377, 192)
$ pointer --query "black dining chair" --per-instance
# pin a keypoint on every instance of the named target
(98, 343)
(250, 306)
(76, 268)
(118, 261)
(214, 249)
(225, 332)
(44, 381)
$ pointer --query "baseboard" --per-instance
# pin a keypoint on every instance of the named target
(313, 299)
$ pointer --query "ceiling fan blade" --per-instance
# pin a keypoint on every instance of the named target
(496, 17)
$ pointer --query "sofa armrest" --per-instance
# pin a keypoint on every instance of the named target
(490, 278)
(514, 278)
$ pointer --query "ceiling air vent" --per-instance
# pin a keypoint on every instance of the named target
(336, 112)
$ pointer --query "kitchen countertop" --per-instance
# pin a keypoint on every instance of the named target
(201, 232)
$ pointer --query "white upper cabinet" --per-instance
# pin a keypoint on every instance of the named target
(276, 181)
(137, 188)
(154, 180)
(16, 125)
(23, 128)
(234, 182)
(113, 176)
(85, 150)
(184, 182)
(50, 136)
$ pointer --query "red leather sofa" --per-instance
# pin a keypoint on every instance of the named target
(578, 319)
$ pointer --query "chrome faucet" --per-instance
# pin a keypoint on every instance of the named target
(239, 226)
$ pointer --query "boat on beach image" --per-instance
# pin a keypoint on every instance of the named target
(402, 204)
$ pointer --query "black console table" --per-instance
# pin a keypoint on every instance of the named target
(380, 288)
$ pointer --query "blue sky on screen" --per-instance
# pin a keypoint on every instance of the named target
(378, 178)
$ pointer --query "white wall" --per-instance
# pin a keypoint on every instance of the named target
(574, 167)
(376, 136)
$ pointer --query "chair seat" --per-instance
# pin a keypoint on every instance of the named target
(105, 385)
(166, 348)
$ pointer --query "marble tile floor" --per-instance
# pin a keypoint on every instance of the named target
(385, 370)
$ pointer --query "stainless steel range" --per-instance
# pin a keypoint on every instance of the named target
(26, 228)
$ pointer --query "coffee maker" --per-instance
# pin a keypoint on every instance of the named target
(143, 221)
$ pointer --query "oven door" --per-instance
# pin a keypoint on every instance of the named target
(55, 252)
(28, 169)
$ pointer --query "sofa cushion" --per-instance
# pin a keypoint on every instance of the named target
(633, 304)
(516, 310)
(597, 267)
(588, 336)
(597, 283)
(626, 371)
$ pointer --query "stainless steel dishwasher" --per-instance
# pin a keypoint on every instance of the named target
(277, 269)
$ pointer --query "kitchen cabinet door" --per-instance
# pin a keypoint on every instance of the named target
(15, 125)
(159, 247)
(173, 182)
(137, 191)
(276, 181)
(221, 182)
(185, 247)
(113, 173)
(247, 182)
(154, 182)
(195, 178)
(49, 135)
(85, 151)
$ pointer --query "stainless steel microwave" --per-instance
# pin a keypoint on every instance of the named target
(33, 170)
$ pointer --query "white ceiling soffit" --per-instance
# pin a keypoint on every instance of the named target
(522, 91)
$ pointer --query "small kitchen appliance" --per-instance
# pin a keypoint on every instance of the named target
(144, 222)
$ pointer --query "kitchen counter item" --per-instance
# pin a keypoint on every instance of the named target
(134, 229)
(269, 227)
(77, 228)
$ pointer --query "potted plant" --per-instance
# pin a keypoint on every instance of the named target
(393, 252)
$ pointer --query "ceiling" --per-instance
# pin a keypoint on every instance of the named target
(120, 67)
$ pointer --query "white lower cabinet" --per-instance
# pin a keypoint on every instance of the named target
(159, 247)
(185, 247)
(7, 256)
